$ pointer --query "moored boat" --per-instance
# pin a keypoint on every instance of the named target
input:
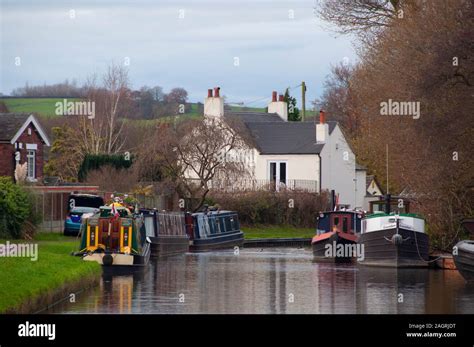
(166, 231)
(463, 252)
(115, 238)
(394, 240)
(463, 255)
(336, 236)
(213, 230)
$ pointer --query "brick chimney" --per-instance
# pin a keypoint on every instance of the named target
(322, 129)
(279, 107)
(214, 104)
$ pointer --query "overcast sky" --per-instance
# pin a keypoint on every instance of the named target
(58, 40)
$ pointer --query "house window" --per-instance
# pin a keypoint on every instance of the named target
(30, 157)
(277, 173)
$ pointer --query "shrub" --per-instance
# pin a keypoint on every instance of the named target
(16, 210)
(297, 208)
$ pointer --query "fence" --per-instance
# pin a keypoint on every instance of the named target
(267, 185)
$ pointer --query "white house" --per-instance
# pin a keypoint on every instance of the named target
(304, 155)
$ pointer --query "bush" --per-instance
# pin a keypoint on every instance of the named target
(16, 210)
(295, 208)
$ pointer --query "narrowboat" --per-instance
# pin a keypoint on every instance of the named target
(166, 231)
(394, 239)
(115, 238)
(210, 230)
(336, 236)
(463, 252)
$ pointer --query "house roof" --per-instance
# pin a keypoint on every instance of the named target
(255, 116)
(12, 125)
(273, 135)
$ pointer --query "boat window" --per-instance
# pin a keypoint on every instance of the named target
(336, 220)
(345, 223)
(228, 226)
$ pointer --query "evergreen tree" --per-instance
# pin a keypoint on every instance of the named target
(293, 111)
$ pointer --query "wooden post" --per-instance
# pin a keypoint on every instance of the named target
(303, 100)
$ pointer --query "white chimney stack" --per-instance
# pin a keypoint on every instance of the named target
(322, 129)
(279, 107)
(214, 104)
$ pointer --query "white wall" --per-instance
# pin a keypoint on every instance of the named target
(338, 173)
(361, 202)
(298, 167)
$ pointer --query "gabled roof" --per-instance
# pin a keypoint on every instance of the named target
(368, 181)
(285, 137)
(12, 125)
(273, 135)
(255, 116)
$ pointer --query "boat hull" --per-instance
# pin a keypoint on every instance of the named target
(163, 246)
(120, 261)
(321, 243)
(464, 259)
(380, 251)
(220, 241)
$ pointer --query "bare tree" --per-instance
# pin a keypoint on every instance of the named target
(361, 17)
(103, 133)
(194, 153)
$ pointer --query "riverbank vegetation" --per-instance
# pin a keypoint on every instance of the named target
(276, 232)
(293, 208)
(26, 283)
(418, 57)
(17, 216)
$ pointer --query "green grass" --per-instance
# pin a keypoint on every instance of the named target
(276, 232)
(43, 106)
(247, 109)
(46, 107)
(23, 279)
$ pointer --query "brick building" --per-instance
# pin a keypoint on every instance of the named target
(22, 140)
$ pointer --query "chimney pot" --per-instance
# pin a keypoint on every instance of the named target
(216, 92)
(274, 96)
(209, 93)
(280, 98)
(322, 117)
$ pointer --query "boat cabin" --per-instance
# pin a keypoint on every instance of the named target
(107, 232)
(339, 221)
(214, 223)
(397, 205)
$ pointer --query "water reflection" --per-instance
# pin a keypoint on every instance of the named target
(273, 281)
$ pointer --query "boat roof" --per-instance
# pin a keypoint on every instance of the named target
(215, 212)
(392, 214)
(342, 211)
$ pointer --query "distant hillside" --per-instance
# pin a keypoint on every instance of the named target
(46, 106)
(43, 106)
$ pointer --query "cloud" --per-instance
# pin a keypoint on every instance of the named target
(194, 52)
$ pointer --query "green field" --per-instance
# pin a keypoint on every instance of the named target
(24, 280)
(276, 232)
(43, 106)
(46, 107)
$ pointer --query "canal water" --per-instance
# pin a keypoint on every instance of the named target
(273, 281)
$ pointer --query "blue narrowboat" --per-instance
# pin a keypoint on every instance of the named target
(213, 230)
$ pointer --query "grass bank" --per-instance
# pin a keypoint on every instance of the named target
(27, 286)
(276, 232)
